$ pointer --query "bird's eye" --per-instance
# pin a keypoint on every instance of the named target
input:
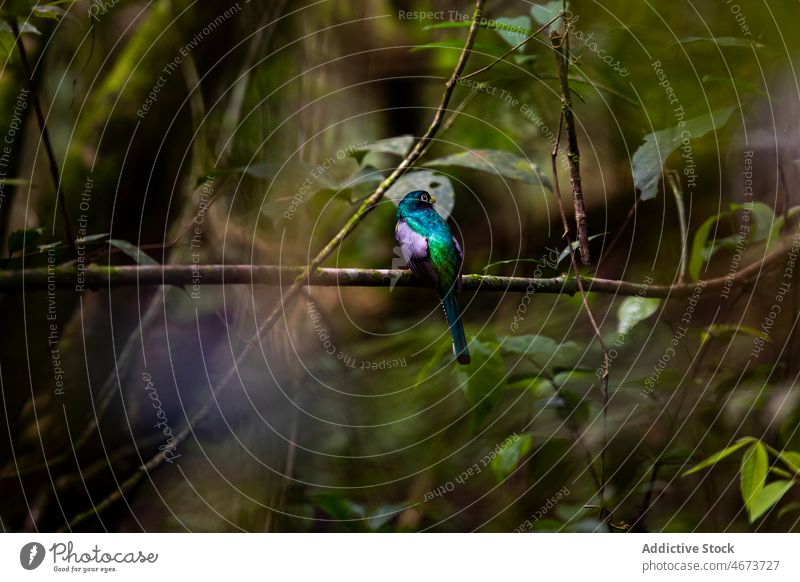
(425, 198)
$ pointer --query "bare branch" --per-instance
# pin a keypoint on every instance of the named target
(677, 192)
(560, 46)
(48, 146)
(578, 279)
(101, 277)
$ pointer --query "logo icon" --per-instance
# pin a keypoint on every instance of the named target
(31, 555)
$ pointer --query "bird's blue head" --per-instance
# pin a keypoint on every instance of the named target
(416, 201)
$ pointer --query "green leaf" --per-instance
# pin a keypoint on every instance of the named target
(572, 406)
(723, 41)
(738, 84)
(634, 310)
(383, 515)
(651, 157)
(23, 239)
(528, 344)
(792, 460)
(359, 185)
(719, 455)
(509, 456)
(767, 498)
(24, 28)
(397, 146)
(488, 24)
(133, 252)
(543, 13)
(57, 245)
(586, 80)
(577, 378)
(564, 354)
(537, 386)
(482, 381)
(492, 49)
(12, 9)
(753, 472)
(514, 261)
(497, 162)
(14, 181)
(6, 43)
(50, 12)
(777, 226)
(436, 184)
(438, 360)
(761, 218)
(290, 176)
(92, 238)
(788, 508)
(452, 24)
(722, 330)
(523, 60)
(780, 473)
(337, 507)
(565, 252)
(697, 255)
(513, 30)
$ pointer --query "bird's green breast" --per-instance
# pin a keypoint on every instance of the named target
(442, 250)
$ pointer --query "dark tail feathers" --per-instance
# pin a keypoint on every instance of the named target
(453, 314)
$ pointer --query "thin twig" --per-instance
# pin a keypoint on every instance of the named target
(648, 496)
(511, 50)
(560, 46)
(157, 460)
(48, 146)
(677, 192)
(612, 245)
(457, 112)
(604, 515)
(790, 341)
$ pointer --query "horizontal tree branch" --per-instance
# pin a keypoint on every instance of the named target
(96, 277)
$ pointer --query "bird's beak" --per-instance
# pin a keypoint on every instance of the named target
(433, 199)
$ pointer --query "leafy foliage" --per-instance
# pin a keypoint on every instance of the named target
(482, 380)
(19, 240)
(758, 495)
(509, 457)
(497, 162)
(633, 310)
(353, 407)
(651, 157)
(133, 252)
(760, 226)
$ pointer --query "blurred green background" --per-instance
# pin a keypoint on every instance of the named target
(351, 415)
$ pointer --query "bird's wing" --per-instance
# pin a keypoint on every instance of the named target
(414, 248)
(460, 254)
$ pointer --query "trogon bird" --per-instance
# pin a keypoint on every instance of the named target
(434, 255)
